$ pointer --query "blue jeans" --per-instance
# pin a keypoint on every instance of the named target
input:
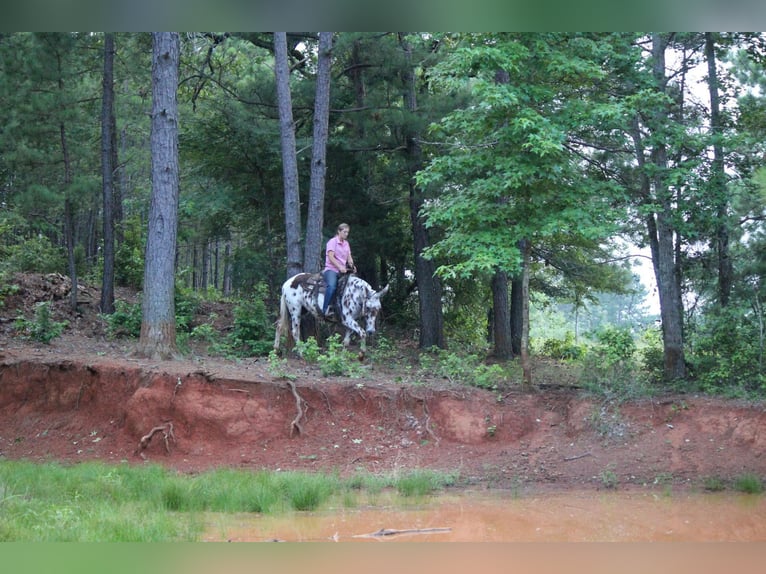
(331, 278)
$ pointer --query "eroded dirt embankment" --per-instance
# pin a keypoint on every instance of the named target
(70, 410)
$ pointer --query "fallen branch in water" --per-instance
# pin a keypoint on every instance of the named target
(387, 532)
(167, 434)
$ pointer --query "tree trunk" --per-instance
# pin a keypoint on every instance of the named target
(718, 177)
(526, 364)
(501, 324)
(289, 160)
(663, 249)
(69, 219)
(517, 314)
(158, 326)
(107, 174)
(313, 259)
(429, 285)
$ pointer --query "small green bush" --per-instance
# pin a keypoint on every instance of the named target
(309, 350)
(337, 360)
(466, 369)
(43, 328)
(565, 349)
(35, 255)
(253, 332)
(125, 321)
(748, 483)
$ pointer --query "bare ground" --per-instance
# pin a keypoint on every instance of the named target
(85, 397)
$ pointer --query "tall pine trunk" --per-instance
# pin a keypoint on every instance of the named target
(107, 174)
(429, 285)
(661, 231)
(315, 218)
(289, 160)
(718, 177)
(158, 326)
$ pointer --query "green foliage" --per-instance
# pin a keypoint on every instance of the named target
(565, 349)
(610, 369)
(278, 366)
(651, 355)
(609, 478)
(35, 255)
(129, 257)
(615, 345)
(337, 360)
(125, 321)
(727, 357)
(252, 333)
(306, 491)
(42, 328)
(465, 369)
(309, 350)
(7, 289)
(422, 483)
(187, 302)
(94, 502)
(714, 484)
(749, 483)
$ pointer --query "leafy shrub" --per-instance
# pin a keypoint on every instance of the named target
(566, 348)
(749, 484)
(35, 255)
(43, 328)
(337, 360)
(651, 355)
(309, 350)
(726, 356)
(129, 257)
(465, 369)
(186, 306)
(125, 321)
(615, 344)
(610, 369)
(252, 333)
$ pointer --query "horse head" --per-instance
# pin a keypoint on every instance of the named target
(372, 307)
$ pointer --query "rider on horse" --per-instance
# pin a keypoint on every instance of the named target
(338, 262)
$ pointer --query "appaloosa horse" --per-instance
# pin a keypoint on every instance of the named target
(306, 291)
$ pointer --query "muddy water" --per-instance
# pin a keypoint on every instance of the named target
(567, 517)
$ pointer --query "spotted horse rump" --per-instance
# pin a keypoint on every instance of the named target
(305, 291)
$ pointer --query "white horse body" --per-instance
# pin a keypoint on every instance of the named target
(359, 300)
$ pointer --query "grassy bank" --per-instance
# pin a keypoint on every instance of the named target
(96, 502)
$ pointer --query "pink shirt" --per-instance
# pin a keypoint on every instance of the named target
(341, 249)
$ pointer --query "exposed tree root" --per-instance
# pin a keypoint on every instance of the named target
(167, 433)
(296, 424)
(428, 423)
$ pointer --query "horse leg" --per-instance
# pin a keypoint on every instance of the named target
(281, 322)
(296, 326)
(353, 327)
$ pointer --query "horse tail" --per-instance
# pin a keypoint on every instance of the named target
(282, 323)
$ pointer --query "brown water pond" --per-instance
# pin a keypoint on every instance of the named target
(473, 517)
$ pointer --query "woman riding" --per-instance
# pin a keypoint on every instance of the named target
(338, 261)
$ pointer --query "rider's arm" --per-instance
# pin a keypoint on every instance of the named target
(335, 262)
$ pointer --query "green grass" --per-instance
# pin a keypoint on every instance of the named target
(95, 502)
(748, 483)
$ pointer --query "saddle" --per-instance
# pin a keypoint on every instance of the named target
(315, 285)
